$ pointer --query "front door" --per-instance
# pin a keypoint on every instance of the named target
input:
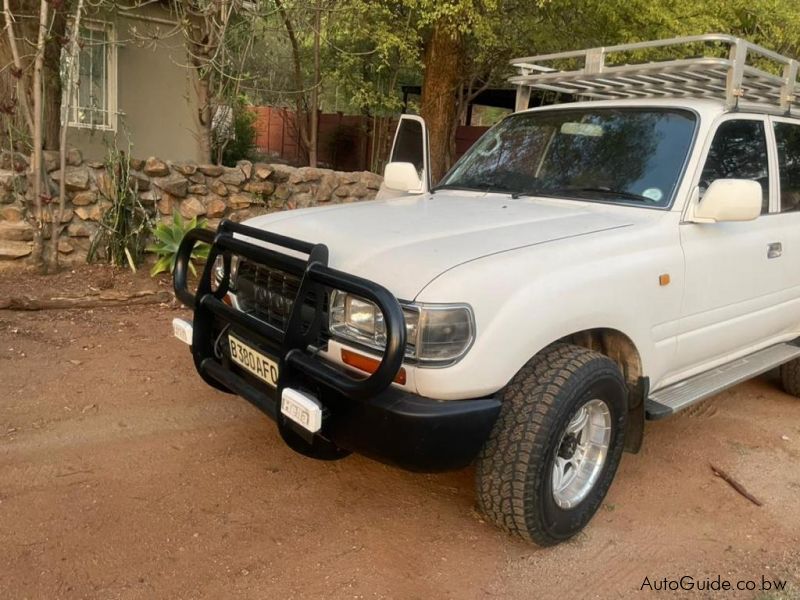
(734, 275)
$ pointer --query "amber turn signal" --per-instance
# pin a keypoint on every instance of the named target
(369, 364)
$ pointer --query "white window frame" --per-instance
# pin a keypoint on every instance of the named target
(111, 80)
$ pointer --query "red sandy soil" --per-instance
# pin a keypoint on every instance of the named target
(122, 475)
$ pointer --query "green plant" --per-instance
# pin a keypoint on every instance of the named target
(234, 134)
(126, 225)
(168, 239)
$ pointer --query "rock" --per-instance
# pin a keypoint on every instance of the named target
(176, 185)
(80, 229)
(306, 174)
(66, 216)
(64, 247)
(265, 188)
(138, 181)
(84, 198)
(74, 157)
(282, 192)
(11, 213)
(219, 188)
(371, 180)
(51, 159)
(13, 181)
(359, 190)
(232, 176)
(192, 207)
(211, 170)
(212, 224)
(302, 200)
(165, 204)
(215, 207)
(104, 184)
(197, 178)
(150, 197)
(185, 168)
(75, 179)
(13, 161)
(348, 176)
(137, 164)
(237, 201)
(246, 167)
(93, 212)
(18, 231)
(327, 184)
(281, 173)
(155, 167)
(198, 189)
(96, 164)
(11, 250)
(262, 170)
(341, 191)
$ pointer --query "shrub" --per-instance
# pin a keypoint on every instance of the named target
(168, 239)
(126, 225)
(234, 133)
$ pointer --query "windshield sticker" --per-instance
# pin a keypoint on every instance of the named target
(654, 194)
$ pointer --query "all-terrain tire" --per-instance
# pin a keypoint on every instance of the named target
(790, 377)
(515, 469)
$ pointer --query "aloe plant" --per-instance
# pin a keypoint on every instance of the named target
(168, 239)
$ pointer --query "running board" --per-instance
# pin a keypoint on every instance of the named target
(670, 400)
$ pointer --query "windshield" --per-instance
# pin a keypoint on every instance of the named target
(627, 155)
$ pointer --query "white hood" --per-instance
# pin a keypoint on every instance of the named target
(405, 243)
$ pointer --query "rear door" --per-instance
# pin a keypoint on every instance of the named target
(787, 142)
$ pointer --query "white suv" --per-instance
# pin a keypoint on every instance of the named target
(584, 267)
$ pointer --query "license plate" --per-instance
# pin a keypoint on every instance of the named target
(252, 360)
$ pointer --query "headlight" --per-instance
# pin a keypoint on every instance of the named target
(219, 272)
(436, 334)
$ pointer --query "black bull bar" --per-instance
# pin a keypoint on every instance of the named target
(294, 347)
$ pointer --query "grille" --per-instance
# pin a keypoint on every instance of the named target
(268, 294)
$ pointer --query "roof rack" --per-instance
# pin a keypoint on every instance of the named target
(729, 68)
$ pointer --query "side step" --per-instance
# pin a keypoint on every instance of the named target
(666, 402)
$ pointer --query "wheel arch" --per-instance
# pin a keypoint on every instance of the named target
(623, 351)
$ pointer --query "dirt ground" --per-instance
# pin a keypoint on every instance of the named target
(123, 476)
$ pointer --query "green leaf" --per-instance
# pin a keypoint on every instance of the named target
(161, 266)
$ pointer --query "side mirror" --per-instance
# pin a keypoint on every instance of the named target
(729, 200)
(402, 177)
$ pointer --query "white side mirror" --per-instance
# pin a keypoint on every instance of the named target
(402, 177)
(729, 200)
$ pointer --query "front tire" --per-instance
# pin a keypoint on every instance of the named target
(555, 448)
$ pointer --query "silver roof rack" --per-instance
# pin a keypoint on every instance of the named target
(728, 68)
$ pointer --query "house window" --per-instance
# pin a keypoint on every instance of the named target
(94, 78)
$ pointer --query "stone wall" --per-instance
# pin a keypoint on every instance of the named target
(208, 191)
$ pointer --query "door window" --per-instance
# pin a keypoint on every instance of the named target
(787, 136)
(739, 151)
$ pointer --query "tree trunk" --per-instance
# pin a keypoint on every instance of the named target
(205, 116)
(37, 168)
(438, 107)
(313, 134)
(51, 112)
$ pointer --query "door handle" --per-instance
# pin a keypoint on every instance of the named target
(774, 250)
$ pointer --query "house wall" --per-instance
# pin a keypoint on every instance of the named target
(156, 97)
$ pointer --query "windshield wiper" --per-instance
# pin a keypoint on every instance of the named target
(560, 192)
(611, 192)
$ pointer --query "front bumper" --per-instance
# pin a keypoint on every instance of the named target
(366, 415)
